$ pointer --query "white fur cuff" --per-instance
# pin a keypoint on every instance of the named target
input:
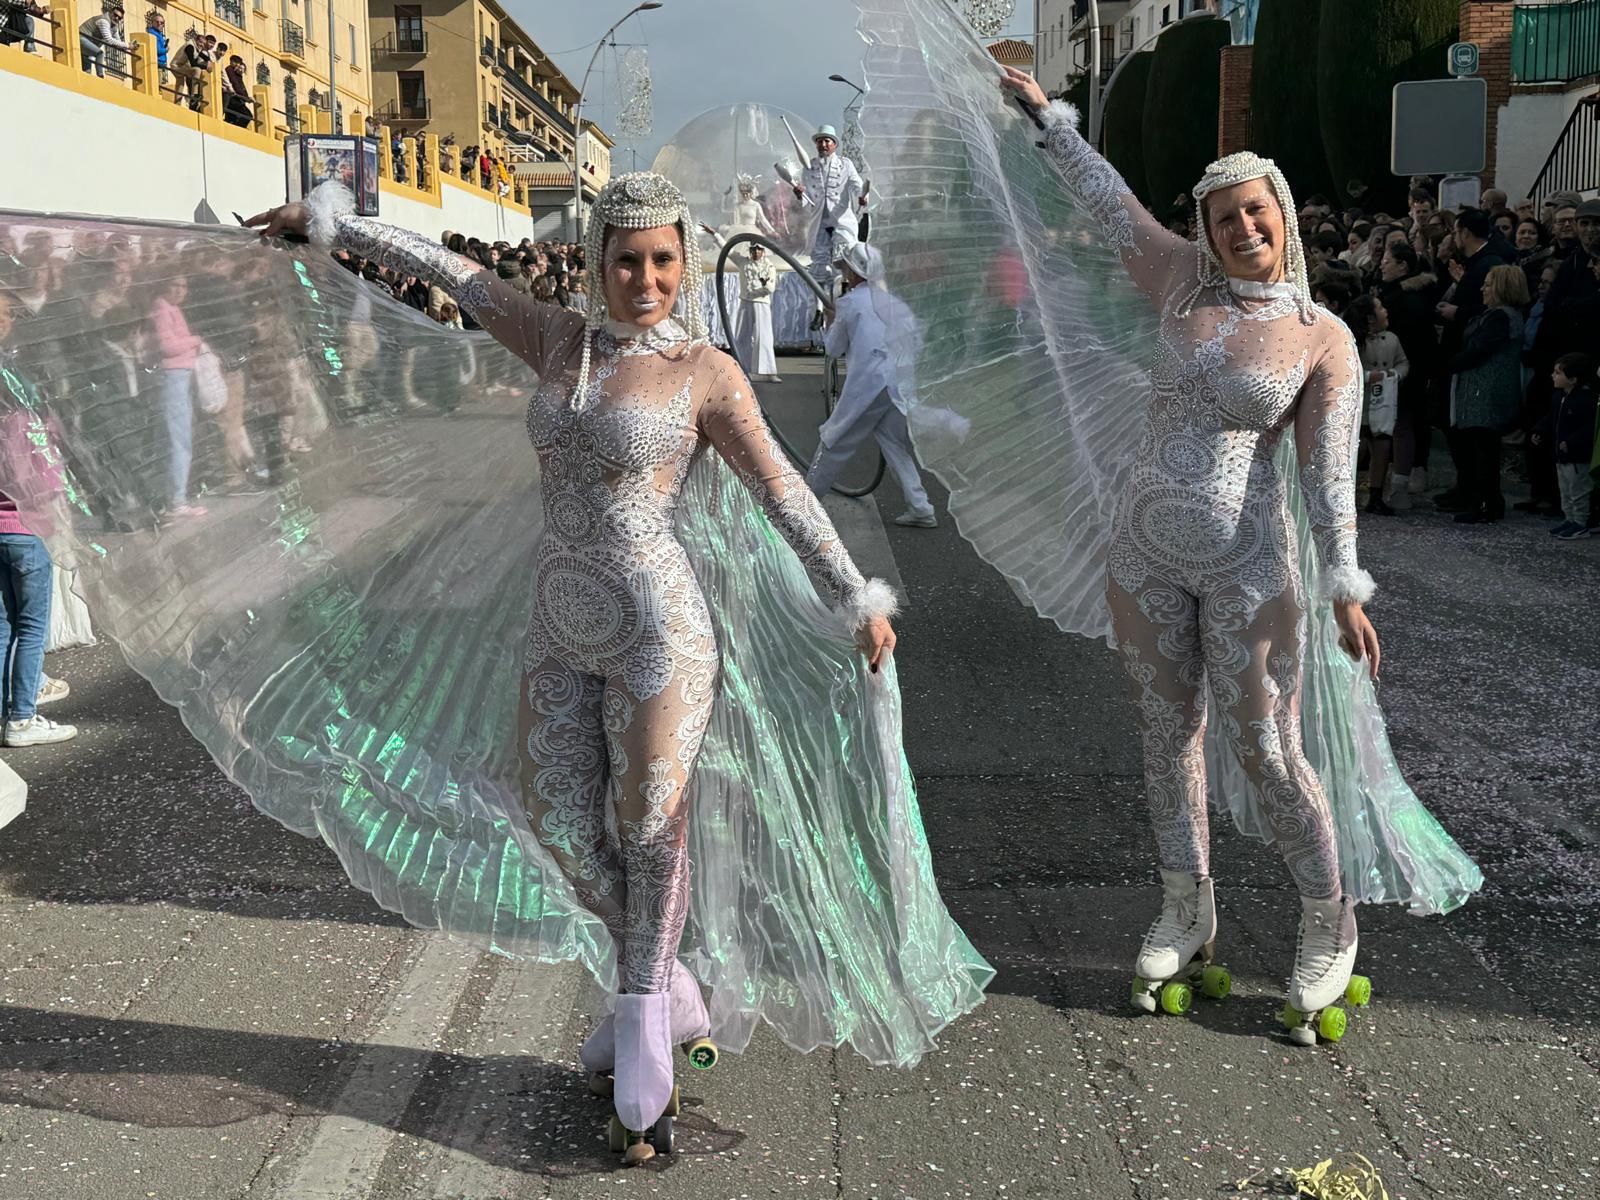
(1348, 583)
(327, 202)
(876, 599)
(1059, 112)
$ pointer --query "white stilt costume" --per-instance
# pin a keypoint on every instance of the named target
(873, 402)
(831, 195)
(757, 282)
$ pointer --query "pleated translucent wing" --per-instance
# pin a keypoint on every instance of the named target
(343, 625)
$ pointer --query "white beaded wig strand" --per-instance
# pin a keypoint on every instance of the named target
(640, 200)
(1242, 168)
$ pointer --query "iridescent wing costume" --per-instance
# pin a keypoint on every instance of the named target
(1133, 425)
(349, 642)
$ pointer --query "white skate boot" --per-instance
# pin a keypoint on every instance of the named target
(1181, 942)
(646, 1099)
(691, 1026)
(1324, 955)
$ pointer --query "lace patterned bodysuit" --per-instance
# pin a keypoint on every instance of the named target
(621, 663)
(1203, 583)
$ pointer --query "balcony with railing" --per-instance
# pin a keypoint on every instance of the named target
(291, 38)
(546, 107)
(486, 53)
(231, 11)
(401, 45)
(491, 116)
(1555, 42)
(399, 112)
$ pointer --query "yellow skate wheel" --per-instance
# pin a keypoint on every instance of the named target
(702, 1053)
(1177, 998)
(1215, 982)
(617, 1136)
(1332, 1024)
(1291, 1017)
(1358, 992)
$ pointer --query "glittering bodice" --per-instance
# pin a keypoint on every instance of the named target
(613, 465)
(1205, 498)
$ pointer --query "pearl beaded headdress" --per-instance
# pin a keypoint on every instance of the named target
(1241, 168)
(640, 200)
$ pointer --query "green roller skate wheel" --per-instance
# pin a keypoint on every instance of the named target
(1332, 1024)
(1177, 998)
(702, 1054)
(1291, 1017)
(1215, 982)
(1358, 992)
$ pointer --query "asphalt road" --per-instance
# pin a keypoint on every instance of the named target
(195, 1005)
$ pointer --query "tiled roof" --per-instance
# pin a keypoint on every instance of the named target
(1012, 51)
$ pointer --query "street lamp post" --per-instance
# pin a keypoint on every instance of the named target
(577, 119)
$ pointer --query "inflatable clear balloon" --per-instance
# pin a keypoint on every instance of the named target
(731, 162)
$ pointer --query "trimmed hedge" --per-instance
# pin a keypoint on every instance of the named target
(1180, 109)
(1122, 126)
(1284, 117)
(1364, 48)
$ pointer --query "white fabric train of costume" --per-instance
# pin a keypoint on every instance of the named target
(1140, 432)
(351, 644)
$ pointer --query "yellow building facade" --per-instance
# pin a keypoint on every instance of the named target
(512, 99)
(284, 45)
(464, 70)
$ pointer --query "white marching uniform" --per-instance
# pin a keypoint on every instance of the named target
(757, 282)
(833, 190)
(873, 403)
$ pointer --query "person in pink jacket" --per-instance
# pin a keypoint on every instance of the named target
(178, 348)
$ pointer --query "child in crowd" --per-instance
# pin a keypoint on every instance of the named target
(1569, 431)
(1384, 366)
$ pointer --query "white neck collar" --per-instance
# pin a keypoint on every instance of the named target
(1252, 289)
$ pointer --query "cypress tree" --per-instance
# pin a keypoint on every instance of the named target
(1122, 126)
(1180, 109)
(1284, 121)
(1364, 48)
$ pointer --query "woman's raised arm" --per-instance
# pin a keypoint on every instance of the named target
(1152, 254)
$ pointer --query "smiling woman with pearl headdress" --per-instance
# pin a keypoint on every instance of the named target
(663, 634)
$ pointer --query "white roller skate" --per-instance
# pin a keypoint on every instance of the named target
(645, 1097)
(1324, 956)
(1181, 943)
(691, 1027)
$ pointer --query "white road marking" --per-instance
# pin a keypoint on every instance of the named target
(345, 1151)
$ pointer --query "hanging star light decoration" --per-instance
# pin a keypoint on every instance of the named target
(989, 17)
(636, 113)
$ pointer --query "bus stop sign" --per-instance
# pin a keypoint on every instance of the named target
(1463, 58)
(1439, 127)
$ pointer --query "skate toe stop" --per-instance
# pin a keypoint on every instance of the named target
(639, 1152)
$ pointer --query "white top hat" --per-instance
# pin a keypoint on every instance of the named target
(825, 131)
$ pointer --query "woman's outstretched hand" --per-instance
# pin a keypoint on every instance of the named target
(875, 639)
(1357, 637)
(1024, 86)
(286, 218)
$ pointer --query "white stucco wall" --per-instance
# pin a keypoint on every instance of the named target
(1527, 129)
(77, 154)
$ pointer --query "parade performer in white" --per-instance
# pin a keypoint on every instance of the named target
(832, 191)
(688, 619)
(873, 402)
(758, 280)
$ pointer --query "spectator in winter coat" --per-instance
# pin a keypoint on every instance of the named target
(1486, 391)
(98, 34)
(1569, 431)
(189, 65)
(237, 104)
(1384, 367)
(18, 24)
(155, 24)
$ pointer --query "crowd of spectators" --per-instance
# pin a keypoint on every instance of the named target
(1481, 323)
(549, 271)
